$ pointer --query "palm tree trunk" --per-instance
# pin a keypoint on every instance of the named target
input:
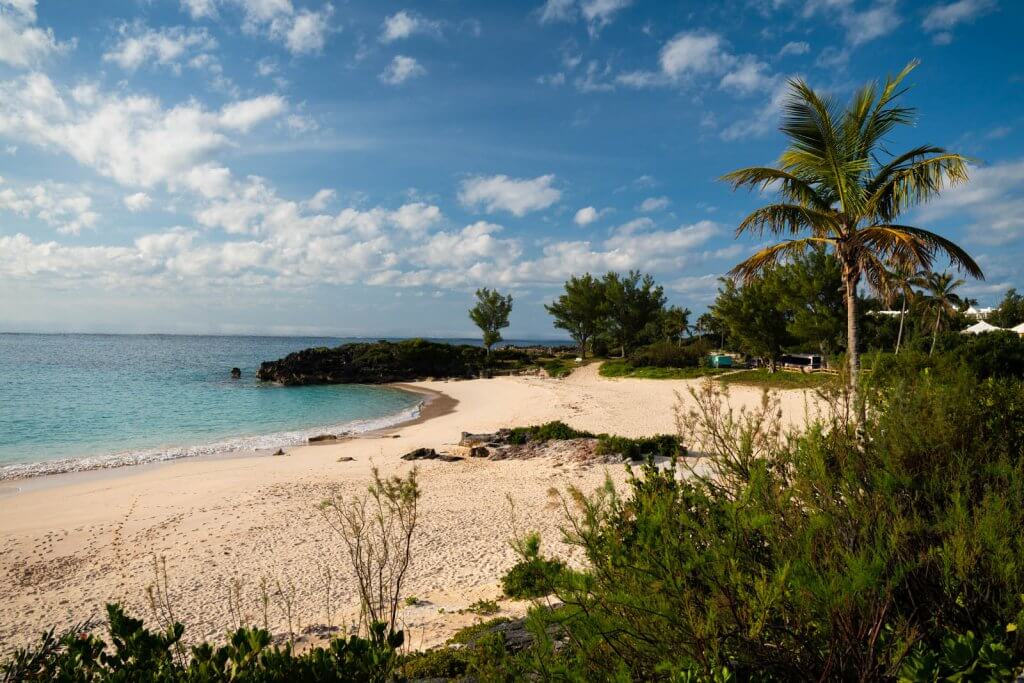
(935, 332)
(903, 313)
(851, 276)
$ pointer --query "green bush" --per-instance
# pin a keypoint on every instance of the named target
(666, 445)
(138, 655)
(815, 556)
(549, 431)
(443, 662)
(666, 354)
(533, 578)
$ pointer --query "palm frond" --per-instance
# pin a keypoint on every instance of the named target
(789, 218)
(753, 266)
(915, 183)
(789, 186)
(938, 244)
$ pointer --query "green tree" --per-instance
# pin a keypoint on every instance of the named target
(810, 291)
(633, 308)
(710, 324)
(1010, 312)
(941, 301)
(674, 323)
(490, 314)
(580, 310)
(897, 282)
(753, 317)
(842, 190)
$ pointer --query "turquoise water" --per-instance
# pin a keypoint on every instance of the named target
(80, 401)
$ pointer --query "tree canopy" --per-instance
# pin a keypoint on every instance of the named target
(491, 314)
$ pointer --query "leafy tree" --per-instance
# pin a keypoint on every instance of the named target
(897, 282)
(580, 310)
(940, 300)
(675, 322)
(633, 308)
(755, 320)
(1010, 312)
(710, 324)
(490, 314)
(810, 290)
(842, 190)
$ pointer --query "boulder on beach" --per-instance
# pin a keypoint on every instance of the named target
(479, 452)
(430, 454)
(322, 438)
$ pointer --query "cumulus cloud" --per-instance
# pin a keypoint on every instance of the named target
(518, 196)
(138, 44)
(130, 138)
(654, 204)
(795, 48)
(588, 215)
(403, 24)
(596, 13)
(66, 209)
(401, 69)
(301, 32)
(22, 43)
(991, 204)
(140, 201)
(942, 18)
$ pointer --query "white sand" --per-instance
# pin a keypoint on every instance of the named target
(70, 543)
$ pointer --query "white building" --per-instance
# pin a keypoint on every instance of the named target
(978, 313)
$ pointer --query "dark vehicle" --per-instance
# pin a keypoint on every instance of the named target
(804, 362)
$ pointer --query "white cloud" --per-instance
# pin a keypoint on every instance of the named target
(301, 32)
(942, 18)
(991, 204)
(401, 69)
(764, 118)
(654, 204)
(22, 43)
(57, 205)
(749, 76)
(242, 116)
(863, 27)
(690, 53)
(518, 196)
(596, 13)
(130, 138)
(140, 201)
(138, 45)
(795, 48)
(588, 215)
(403, 24)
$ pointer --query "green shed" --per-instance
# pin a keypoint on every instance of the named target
(720, 360)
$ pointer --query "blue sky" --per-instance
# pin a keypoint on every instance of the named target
(359, 168)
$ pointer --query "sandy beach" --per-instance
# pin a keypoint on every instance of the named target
(70, 543)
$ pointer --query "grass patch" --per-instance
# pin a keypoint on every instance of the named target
(559, 367)
(471, 633)
(780, 379)
(622, 368)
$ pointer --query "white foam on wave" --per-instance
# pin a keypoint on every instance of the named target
(234, 445)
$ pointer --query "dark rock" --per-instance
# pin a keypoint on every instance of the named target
(345, 458)
(279, 451)
(236, 373)
(515, 634)
(479, 452)
(322, 438)
(430, 454)
(374, 363)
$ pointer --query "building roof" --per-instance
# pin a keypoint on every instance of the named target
(980, 327)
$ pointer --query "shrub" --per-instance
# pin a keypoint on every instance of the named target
(533, 578)
(484, 608)
(443, 662)
(666, 445)
(813, 556)
(549, 431)
(666, 354)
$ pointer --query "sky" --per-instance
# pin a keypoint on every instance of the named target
(360, 167)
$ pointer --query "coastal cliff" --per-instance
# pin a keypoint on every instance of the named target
(374, 363)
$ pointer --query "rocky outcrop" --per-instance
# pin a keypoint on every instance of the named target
(375, 363)
(430, 454)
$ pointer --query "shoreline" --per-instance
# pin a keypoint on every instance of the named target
(432, 404)
(71, 543)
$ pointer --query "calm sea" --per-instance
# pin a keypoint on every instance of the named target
(71, 401)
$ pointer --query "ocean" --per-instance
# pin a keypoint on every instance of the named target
(82, 401)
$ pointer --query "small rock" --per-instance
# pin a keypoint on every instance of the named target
(345, 458)
(479, 452)
(280, 451)
(321, 438)
(429, 454)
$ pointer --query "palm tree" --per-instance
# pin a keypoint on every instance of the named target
(843, 190)
(898, 280)
(941, 299)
